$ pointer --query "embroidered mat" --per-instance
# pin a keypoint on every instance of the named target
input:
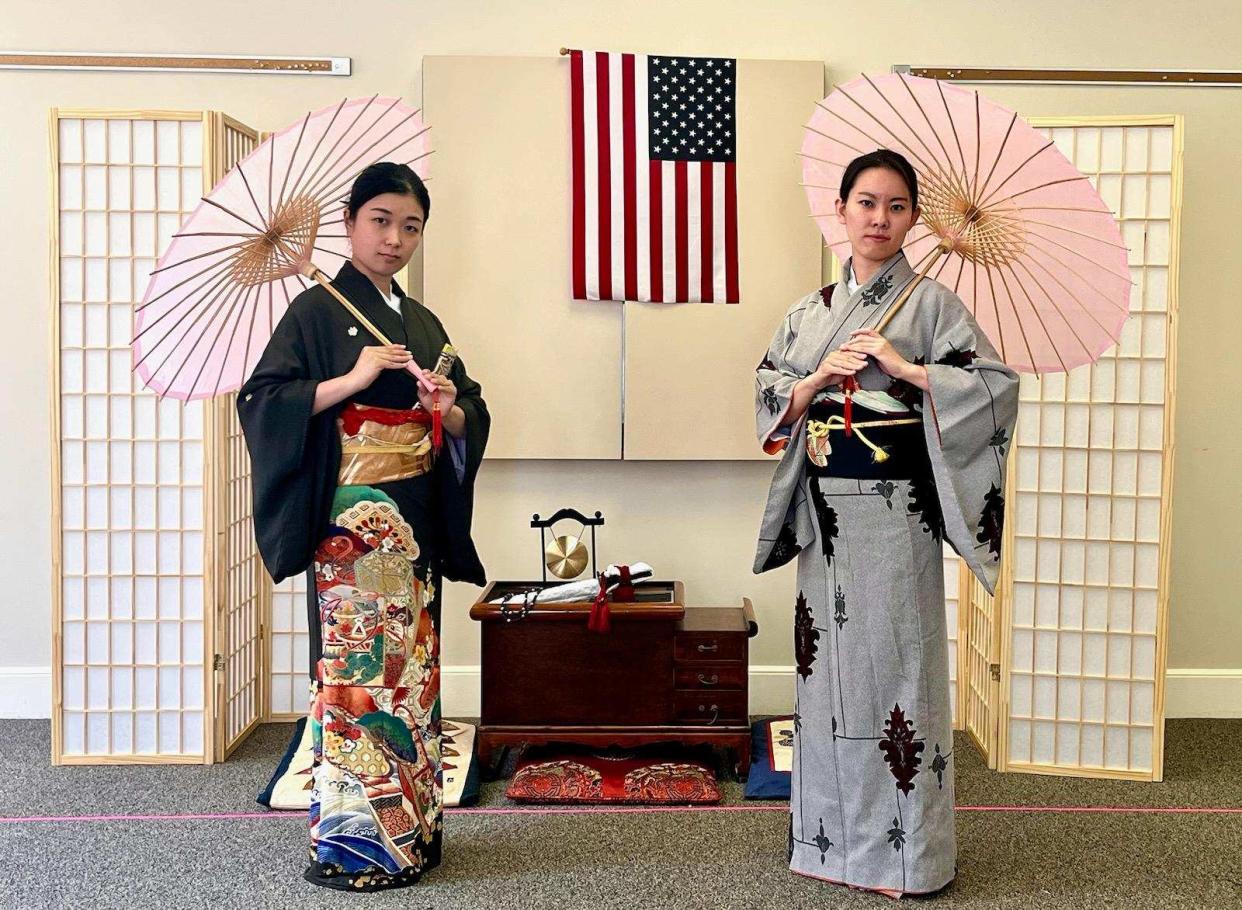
(771, 758)
(290, 786)
(652, 775)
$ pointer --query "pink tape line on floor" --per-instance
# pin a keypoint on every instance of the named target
(587, 810)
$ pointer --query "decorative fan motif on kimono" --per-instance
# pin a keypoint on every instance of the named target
(387, 574)
(381, 527)
(335, 556)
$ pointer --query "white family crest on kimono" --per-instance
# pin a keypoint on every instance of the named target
(866, 514)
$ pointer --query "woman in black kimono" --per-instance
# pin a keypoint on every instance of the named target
(350, 488)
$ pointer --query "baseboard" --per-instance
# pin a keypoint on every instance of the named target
(1203, 693)
(25, 692)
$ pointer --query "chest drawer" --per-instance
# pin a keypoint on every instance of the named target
(709, 677)
(708, 647)
(709, 707)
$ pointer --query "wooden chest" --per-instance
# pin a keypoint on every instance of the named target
(664, 672)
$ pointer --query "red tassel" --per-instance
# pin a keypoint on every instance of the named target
(437, 423)
(851, 386)
(625, 589)
(600, 619)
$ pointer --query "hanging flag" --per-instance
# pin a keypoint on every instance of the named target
(654, 148)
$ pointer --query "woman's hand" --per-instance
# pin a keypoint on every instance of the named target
(839, 364)
(374, 360)
(448, 394)
(872, 344)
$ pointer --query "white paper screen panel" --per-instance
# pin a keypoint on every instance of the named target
(290, 654)
(952, 581)
(1089, 511)
(128, 485)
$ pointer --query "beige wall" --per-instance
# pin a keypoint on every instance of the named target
(695, 521)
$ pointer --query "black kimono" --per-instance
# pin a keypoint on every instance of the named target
(375, 553)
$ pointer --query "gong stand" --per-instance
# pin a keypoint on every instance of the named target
(544, 524)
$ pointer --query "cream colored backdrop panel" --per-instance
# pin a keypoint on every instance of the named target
(689, 368)
(128, 481)
(1090, 514)
(496, 263)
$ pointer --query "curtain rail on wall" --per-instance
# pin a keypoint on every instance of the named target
(203, 63)
(1209, 78)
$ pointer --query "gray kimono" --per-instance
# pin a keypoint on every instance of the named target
(866, 512)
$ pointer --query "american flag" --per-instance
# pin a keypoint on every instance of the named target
(654, 177)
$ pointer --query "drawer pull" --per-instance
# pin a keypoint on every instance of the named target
(704, 681)
(712, 647)
(715, 709)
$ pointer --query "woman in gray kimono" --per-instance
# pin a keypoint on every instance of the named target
(868, 488)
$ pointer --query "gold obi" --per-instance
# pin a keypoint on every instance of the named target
(385, 446)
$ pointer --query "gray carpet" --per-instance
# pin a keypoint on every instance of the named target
(604, 861)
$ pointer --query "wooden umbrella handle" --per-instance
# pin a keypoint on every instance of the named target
(941, 249)
(312, 271)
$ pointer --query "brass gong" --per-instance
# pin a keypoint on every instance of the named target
(566, 556)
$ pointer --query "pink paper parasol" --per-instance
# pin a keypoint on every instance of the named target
(1008, 222)
(247, 249)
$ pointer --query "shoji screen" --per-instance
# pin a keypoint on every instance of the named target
(240, 582)
(289, 649)
(1084, 651)
(128, 496)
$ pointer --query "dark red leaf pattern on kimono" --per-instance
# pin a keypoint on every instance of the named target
(766, 364)
(825, 294)
(785, 548)
(905, 392)
(900, 749)
(960, 359)
(826, 516)
(925, 502)
(806, 636)
(992, 521)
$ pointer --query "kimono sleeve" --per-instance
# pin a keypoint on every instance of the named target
(468, 452)
(274, 407)
(973, 401)
(775, 380)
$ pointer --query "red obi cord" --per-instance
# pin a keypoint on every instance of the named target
(353, 417)
(850, 386)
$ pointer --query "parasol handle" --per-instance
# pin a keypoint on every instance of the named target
(312, 271)
(940, 250)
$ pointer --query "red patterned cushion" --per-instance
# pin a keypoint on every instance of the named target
(571, 776)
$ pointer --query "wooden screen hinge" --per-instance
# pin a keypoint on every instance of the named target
(217, 662)
(994, 669)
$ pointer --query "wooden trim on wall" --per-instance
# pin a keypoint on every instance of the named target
(202, 63)
(1183, 78)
